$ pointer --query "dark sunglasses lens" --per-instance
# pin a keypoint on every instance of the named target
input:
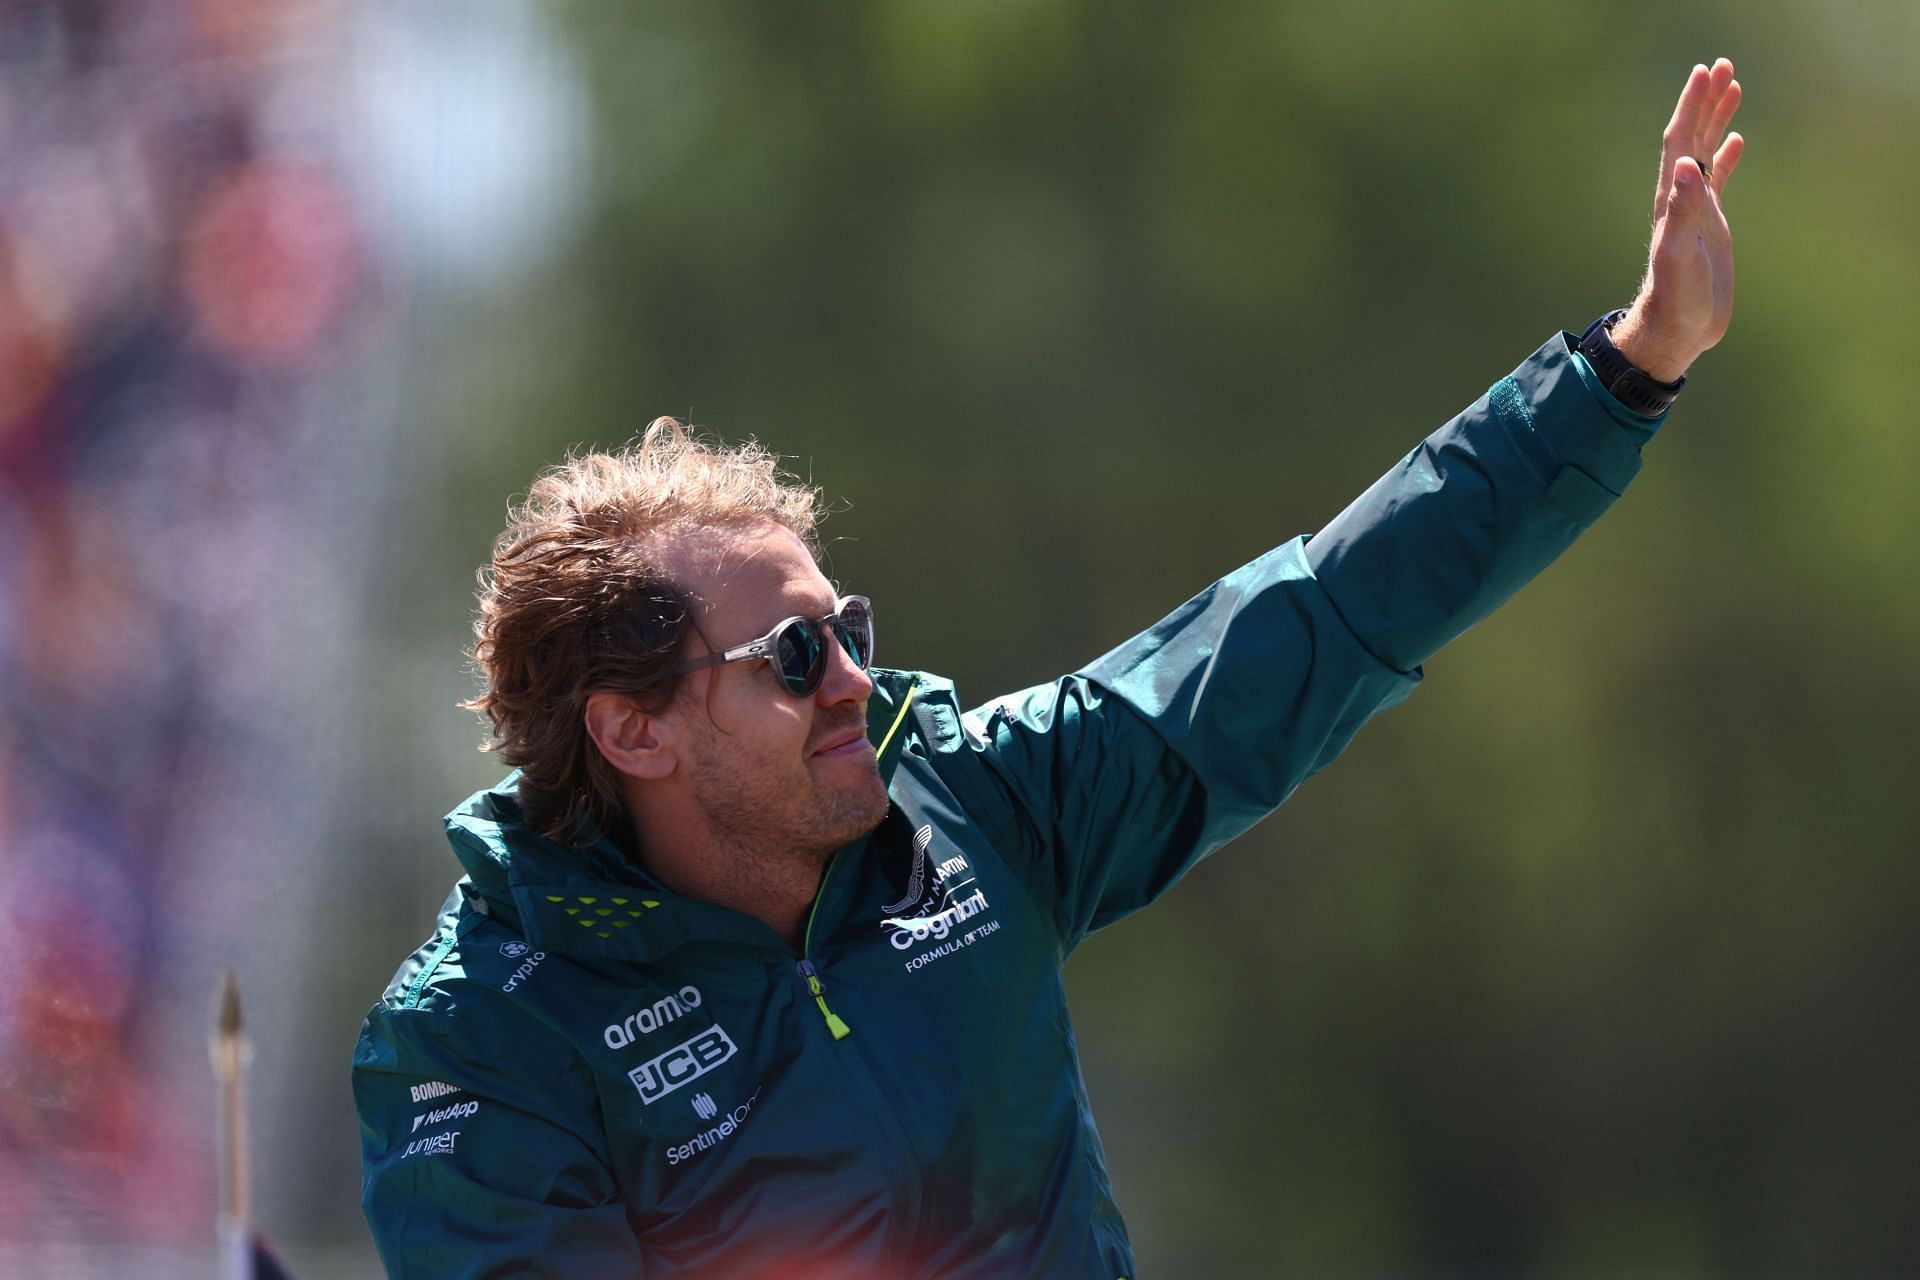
(799, 656)
(856, 633)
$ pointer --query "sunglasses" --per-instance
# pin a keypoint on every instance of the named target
(797, 648)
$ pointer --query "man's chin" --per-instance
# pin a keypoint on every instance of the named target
(861, 810)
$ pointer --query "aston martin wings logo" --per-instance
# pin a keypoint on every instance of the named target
(918, 878)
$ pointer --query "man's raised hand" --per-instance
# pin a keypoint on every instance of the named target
(1686, 300)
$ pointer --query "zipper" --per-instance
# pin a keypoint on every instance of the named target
(835, 1023)
(851, 1061)
(804, 967)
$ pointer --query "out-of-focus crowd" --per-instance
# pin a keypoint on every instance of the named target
(180, 274)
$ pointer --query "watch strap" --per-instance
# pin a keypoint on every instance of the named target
(1627, 384)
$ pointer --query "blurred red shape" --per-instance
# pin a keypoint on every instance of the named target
(270, 263)
(33, 340)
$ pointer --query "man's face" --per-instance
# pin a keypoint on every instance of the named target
(771, 772)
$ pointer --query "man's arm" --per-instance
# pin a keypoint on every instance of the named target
(1432, 547)
(1121, 777)
(472, 1168)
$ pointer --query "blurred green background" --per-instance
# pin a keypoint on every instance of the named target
(1596, 957)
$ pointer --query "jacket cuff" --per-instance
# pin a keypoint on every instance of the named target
(1548, 402)
(1641, 427)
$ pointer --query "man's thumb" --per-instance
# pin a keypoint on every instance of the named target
(1689, 186)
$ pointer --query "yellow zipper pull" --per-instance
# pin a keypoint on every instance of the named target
(834, 1022)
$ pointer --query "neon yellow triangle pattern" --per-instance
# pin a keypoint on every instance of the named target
(597, 916)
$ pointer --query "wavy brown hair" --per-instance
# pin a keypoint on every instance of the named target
(577, 600)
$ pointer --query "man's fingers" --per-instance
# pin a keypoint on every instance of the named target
(1725, 160)
(1686, 112)
(1680, 134)
(1719, 111)
(1723, 112)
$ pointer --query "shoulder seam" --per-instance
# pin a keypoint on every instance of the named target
(447, 944)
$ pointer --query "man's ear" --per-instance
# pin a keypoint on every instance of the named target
(635, 743)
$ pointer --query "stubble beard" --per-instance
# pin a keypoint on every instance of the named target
(775, 825)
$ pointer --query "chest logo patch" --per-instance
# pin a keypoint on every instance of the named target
(941, 896)
(917, 878)
(682, 1064)
(930, 885)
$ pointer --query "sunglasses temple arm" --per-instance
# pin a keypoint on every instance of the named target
(752, 649)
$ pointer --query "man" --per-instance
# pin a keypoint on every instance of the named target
(755, 971)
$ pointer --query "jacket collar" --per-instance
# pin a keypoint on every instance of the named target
(592, 899)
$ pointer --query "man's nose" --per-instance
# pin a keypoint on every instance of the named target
(844, 681)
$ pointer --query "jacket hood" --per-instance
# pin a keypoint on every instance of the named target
(594, 900)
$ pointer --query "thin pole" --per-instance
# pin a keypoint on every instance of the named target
(230, 1053)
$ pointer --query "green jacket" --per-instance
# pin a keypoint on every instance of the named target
(583, 1075)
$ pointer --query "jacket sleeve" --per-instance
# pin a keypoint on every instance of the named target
(471, 1169)
(1117, 779)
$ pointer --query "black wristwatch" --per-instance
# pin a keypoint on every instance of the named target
(1628, 385)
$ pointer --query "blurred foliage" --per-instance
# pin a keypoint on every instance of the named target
(1593, 958)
